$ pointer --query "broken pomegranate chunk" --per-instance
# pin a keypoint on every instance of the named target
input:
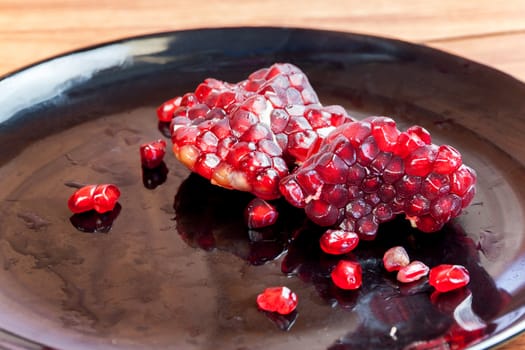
(380, 172)
(447, 277)
(101, 198)
(347, 275)
(277, 299)
(152, 153)
(259, 213)
(412, 272)
(244, 136)
(338, 242)
(395, 258)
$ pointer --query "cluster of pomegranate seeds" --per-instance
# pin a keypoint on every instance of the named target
(446, 278)
(245, 136)
(101, 198)
(277, 299)
(259, 213)
(347, 275)
(367, 172)
(152, 153)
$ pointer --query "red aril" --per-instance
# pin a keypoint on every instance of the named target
(395, 258)
(82, 199)
(277, 299)
(347, 275)
(448, 277)
(412, 272)
(338, 242)
(152, 153)
(259, 213)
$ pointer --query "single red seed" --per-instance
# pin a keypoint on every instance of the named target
(448, 159)
(421, 133)
(277, 299)
(385, 132)
(412, 272)
(347, 275)
(292, 192)
(259, 213)
(395, 258)
(462, 179)
(105, 198)
(166, 110)
(421, 161)
(338, 242)
(82, 199)
(331, 169)
(322, 213)
(152, 153)
(447, 277)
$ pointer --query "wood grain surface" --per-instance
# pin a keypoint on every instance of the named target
(486, 31)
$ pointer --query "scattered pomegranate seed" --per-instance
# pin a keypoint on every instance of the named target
(347, 275)
(101, 198)
(412, 272)
(338, 242)
(385, 172)
(447, 277)
(259, 213)
(152, 153)
(239, 135)
(277, 299)
(395, 258)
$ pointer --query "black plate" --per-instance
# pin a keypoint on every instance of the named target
(156, 282)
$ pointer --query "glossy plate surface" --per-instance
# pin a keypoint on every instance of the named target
(154, 281)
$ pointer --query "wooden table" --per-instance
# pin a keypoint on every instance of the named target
(487, 31)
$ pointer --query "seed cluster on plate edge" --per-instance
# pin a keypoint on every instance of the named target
(270, 135)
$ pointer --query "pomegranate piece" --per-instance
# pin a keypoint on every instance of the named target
(412, 272)
(338, 242)
(152, 153)
(277, 299)
(347, 275)
(259, 213)
(384, 172)
(245, 136)
(101, 198)
(447, 277)
(395, 258)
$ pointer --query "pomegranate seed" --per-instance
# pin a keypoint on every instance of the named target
(277, 299)
(395, 258)
(82, 199)
(448, 160)
(385, 132)
(259, 213)
(421, 161)
(447, 277)
(152, 153)
(105, 197)
(267, 120)
(101, 198)
(412, 272)
(338, 242)
(347, 275)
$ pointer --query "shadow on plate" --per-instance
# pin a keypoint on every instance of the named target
(392, 315)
